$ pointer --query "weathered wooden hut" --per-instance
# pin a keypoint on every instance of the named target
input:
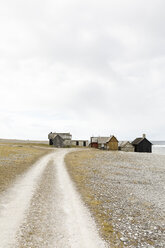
(112, 143)
(80, 143)
(105, 143)
(142, 144)
(126, 146)
(60, 139)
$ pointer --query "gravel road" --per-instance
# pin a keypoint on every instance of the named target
(44, 210)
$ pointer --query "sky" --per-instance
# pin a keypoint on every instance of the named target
(85, 67)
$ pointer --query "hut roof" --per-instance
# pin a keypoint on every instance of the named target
(124, 143)
(103, 140)
(138, 141)
(62, 135)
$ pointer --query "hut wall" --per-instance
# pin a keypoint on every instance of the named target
(67, 142)
(85, 143)
(112, 144)
(58, 141)
(80, 143)
(102, 146)
(127, 148)
(74, 142)
(144, 146)
(94, 145)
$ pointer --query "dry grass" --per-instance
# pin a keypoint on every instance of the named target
(16, 159)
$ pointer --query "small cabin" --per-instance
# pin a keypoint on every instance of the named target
(142, 145)
(105, 143)
(126, 146)
(59, 139)
(112, 143)
(81, 143)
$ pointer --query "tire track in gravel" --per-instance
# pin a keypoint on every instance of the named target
(79, 227)
(51, 217)
(16, 200)
(37, 229)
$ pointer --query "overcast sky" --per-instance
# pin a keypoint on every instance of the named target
(85, 67)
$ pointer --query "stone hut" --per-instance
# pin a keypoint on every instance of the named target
(126, 146)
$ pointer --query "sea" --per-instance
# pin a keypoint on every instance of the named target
(158, 147)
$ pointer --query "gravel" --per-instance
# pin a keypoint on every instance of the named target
(129, 189)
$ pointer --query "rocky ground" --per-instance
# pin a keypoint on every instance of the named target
(125, 193)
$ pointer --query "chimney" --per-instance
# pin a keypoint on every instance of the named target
(144, 136)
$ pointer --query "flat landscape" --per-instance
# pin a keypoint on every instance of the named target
(80, 198)
(39, 206)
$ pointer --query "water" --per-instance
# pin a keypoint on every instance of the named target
(159, 149)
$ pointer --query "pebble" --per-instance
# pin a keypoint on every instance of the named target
(123, 239)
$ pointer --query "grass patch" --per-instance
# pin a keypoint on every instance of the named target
(15, 159)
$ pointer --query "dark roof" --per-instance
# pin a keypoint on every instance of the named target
(139, 140)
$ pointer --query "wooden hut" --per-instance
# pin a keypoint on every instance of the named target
(60, 139)
(80, 143)
(105, 143)
(126, 146)
(112, 143)
(142, 144)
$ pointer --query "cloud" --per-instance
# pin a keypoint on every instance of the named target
(82, 66)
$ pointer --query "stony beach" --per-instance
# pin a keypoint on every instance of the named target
(125, 193)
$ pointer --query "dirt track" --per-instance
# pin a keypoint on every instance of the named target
(43, 210)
